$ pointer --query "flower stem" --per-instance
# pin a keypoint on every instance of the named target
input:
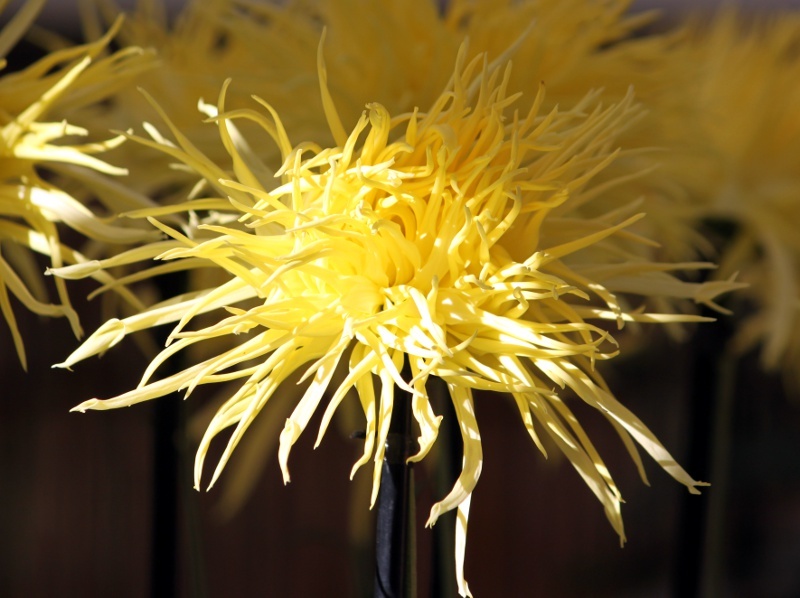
(170, 474)
(164, 537)
(447, 467)
(713, 580)
(395, 572)
(709, 438)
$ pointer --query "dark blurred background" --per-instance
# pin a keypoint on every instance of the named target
(76, 504)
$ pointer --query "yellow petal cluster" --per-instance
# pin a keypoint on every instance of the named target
(32, 204)
(444, 240)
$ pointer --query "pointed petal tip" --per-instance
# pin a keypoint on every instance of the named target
(83, 407)
(434, 516)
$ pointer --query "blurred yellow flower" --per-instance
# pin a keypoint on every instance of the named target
(31, 204)
(571, 45)
(270, 50)
(736, 151)
(440, 238)
(196, 52)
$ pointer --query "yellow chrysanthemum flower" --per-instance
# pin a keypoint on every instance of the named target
(269, 49)
(736, 150)
(441, 239)
(32, 204)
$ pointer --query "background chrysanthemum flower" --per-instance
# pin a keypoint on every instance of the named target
(571, 45)
(442, 238)
(197, 50)
(270, 48)
(32, 205)
(736, 152)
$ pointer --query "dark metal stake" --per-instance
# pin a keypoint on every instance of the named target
(395, 572)
(167, 429)
(164, 538)
(447, 469)
(710, 354)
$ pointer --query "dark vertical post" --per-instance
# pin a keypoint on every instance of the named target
(447, 469)
(395, 569)
(167, 440)
(164, 538)
(712, 584)
(710, 351)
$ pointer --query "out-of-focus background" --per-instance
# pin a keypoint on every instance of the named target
(76, 491)
(62, 14)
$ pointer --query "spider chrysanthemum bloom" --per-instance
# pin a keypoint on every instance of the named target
(571, 45)
(270, 50)
(33, 204)
(390, 249)
(736, 151)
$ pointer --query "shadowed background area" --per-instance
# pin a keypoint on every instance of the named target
(76, 514)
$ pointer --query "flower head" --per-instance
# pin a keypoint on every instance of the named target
(438, 238)
(31, 204)
(572, 45)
